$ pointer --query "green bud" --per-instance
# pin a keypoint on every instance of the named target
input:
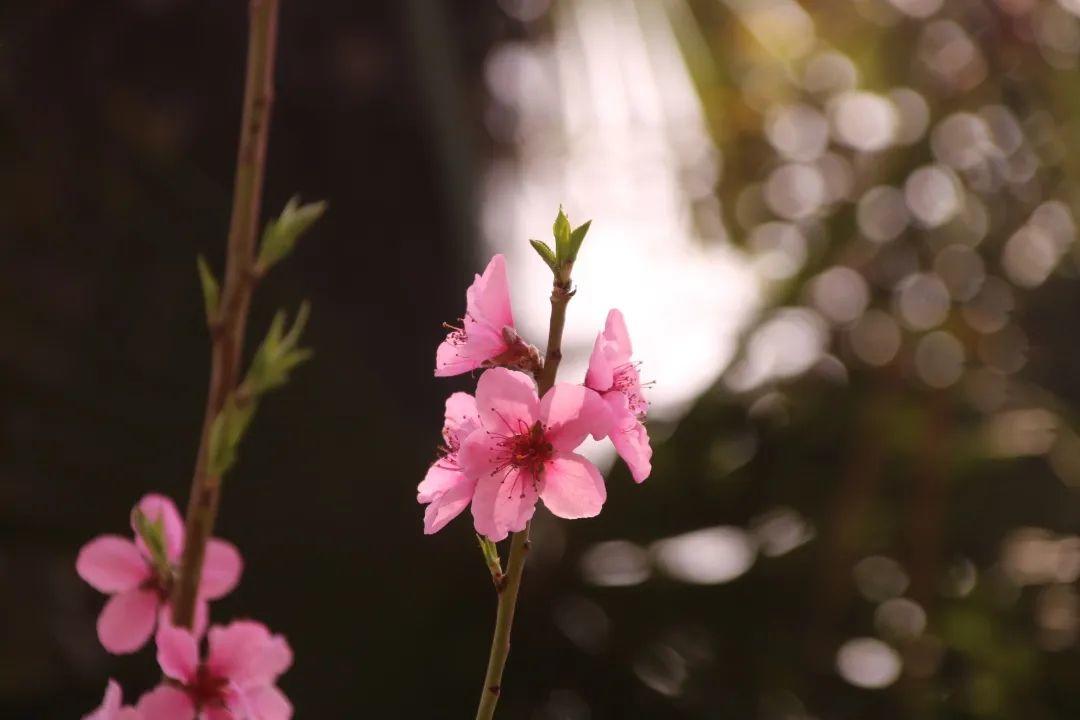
(226, 432)
(278, 354)
(561, 231)
(576, 238)
(280, 235)
(153, 536)
(491, 558)
(546, 254)
(210, 291)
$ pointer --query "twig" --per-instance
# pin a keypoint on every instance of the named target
(519, 544)
(227, 328)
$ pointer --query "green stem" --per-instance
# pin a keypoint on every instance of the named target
(519, 544)
(227, 327)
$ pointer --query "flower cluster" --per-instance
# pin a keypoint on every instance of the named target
(506, 447)
(237, 681)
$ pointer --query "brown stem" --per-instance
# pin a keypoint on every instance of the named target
(227, 328)
(519, 544)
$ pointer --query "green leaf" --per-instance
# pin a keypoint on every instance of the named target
(546, 254)
(491, 558)
(278, 354)
(226, 432)
(561, 231)
(280, 235)
(153, 536)
(576, 238)
(210, 291)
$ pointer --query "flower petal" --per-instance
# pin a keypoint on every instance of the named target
(448, 505)
(615, 332)
(572, 412)
(127, 620)
(457, 354)
(112, 564)
(110, 704)
(488, 298)
(221, 569)
(177, 652)
(601, 373)
(245, 652)
(506, 401)
(461, 417)
(166, 703)
(503, 503)
(267, 702)
(158, 507)
(630, 437)
(573, 487)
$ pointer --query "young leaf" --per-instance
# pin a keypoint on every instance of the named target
(210, 290)
(546, 254)
(280, 235)
(226, 432)
(561, 231)
(278, 354)
(153, 536)
(576, 238)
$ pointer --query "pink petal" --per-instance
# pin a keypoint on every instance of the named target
(573, 487)
(503, 503)
(448, 504)
(601, 373)
(129, 713)
(221, 569)
(156, 507)
(456, 356)
(461, 417)
(110, 704)
(506, 401)
(177, 652)
(572, 412)
(166, 703)
(441, 477)
(127, 620)
(630, 437)
(615, 332)
(267, 702)
(246, 653)
(112, 564)
(488, 298)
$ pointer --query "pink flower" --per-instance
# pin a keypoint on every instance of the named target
(236, 681)
(111, 708)
(445, 488)
(125, 570)
(488, 326)
(613, 375)
(523, 451)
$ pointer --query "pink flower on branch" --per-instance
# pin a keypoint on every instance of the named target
(523, 451)
(236, 681)
(112, 707)
(140, 584)
(486, 336)
(446, 489)
(612, 374)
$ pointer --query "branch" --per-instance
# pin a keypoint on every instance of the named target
(227, 326)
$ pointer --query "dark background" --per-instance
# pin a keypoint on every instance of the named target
(118, 123)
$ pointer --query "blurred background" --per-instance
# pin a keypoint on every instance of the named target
(843, 237)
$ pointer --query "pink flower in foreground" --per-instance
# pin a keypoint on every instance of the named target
(125, 569)
(445, 488)
(236, 681)
(613, 375)
(488, 326)
(523, 451)
(111, 706)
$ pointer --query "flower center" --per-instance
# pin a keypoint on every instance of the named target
(526, 449)
(207, 690)
(627, 381)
